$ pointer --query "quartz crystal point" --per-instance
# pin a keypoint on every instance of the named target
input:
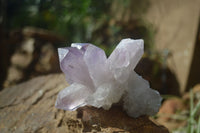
(100, 81)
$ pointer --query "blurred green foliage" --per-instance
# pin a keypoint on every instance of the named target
(71, 18)
(192, 117)
(82, 20)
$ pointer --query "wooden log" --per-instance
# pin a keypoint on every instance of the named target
(29, 107)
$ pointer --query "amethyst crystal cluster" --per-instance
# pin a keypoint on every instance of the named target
(99, 81)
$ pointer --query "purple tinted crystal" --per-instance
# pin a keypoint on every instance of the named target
(74, 67)
(100, 82)
(96, 61)
(125, 57)
(72, 97)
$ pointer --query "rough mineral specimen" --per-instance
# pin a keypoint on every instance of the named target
(100, 81)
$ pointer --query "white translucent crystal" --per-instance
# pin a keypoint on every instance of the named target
(100, 81)
(140, 98)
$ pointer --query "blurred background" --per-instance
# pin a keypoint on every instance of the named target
(32, 30)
